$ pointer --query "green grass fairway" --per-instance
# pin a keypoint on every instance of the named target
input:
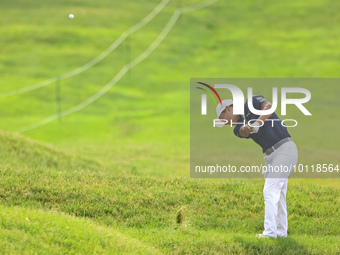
(113, 213)
(142, 124)
(219, 216)
(111, 178)
(32, 231)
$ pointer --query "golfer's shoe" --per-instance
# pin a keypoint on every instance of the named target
(263, 236)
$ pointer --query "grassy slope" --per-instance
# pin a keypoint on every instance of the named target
(32, 231)
(22, 152)
(219, 215)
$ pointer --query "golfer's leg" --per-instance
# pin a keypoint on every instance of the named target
(288, 157)
(271, 193)
(282, 220)
(276, 182)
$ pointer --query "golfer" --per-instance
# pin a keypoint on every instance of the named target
(281, 153)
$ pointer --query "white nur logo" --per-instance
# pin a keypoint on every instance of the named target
(238, 100)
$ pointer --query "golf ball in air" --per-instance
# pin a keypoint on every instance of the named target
(71, 16)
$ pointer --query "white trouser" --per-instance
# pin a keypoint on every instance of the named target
(275, 189)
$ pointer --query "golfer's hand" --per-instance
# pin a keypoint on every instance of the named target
(256, 127)
(245, 130)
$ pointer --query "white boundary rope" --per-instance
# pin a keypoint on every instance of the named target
(94, 61)
(125, 69)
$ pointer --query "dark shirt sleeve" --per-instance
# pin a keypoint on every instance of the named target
(237, 131)
(257, 101)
